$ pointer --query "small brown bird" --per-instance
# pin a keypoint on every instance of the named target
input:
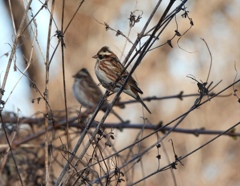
(108, 68)
(87, 92)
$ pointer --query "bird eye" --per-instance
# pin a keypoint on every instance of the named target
(100, 56)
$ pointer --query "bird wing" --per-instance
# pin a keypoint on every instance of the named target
(131, 81)
(95, 93)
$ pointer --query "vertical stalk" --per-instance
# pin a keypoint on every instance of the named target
(46, 95)
(64, 80)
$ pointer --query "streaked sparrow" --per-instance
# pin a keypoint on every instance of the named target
(108, 68)
(87, 92)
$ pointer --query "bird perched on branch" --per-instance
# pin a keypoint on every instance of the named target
(109, 72)
(87, 92)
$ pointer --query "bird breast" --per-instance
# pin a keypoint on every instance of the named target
(82, 95)
(101, 73)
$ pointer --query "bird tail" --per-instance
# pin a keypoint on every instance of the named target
(138, 98)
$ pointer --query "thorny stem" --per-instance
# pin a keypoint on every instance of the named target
(183, 157)
(180, 118)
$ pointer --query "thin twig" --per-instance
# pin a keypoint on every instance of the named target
(64, 78)
(210, 59)
(46, 96)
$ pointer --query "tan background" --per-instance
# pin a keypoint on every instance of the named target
(163, 73)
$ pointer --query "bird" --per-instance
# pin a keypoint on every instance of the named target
(88, 93)
(108, 70)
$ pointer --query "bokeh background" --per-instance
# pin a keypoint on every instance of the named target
(162, 73)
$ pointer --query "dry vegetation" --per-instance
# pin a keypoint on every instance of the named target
(185, 57)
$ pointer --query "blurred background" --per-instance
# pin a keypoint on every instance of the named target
(162, 73)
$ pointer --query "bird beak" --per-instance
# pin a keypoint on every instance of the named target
(96, 56)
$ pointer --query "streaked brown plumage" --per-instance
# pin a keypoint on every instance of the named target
(108, 68)
(87, 92)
